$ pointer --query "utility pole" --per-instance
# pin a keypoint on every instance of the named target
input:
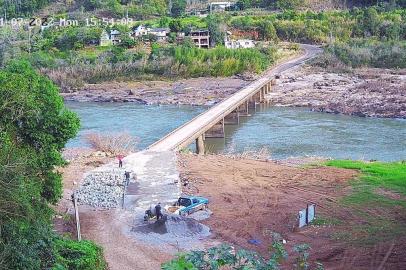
(29, 40)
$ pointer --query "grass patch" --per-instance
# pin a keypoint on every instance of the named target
(83, 255)
(380, 217)
(391, 175)
(326, 221)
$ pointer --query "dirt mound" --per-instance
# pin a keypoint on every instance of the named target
(184, 233)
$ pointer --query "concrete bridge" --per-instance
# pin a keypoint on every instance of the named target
(210, 124)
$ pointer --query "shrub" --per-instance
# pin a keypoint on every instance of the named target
(114, 143)
(225, 257)
(372, 53)
(73, 255)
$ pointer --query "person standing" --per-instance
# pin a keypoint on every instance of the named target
(158, 211)
(120, 161)
(127, 177)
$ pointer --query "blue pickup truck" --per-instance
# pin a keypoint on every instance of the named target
(188, 204)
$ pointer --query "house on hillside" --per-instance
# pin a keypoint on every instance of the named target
(239, 44)
(160, 33)
(230, 43)
(105, 39)
(220, 6)
(141, 30)
(115, 37)
(201, 38)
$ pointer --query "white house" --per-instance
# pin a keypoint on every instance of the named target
(160, 33)
(220, 6)
(237, 44)
(105, 39)
(141, 30)
(115, 37)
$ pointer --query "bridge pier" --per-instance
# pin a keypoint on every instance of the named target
(216, 131)
(251, 103)
(200, 145)
(243, 109)
(233, 118)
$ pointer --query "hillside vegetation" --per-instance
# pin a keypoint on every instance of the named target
(34, 127)
(70, 55)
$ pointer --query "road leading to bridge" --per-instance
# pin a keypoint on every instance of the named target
(187, 133)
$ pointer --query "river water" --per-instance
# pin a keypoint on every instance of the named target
(285, 132)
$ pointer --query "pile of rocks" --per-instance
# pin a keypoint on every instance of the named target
(102, 189)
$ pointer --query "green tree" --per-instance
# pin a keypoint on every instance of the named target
(371, 22)
(216, 29)
(178, 8)
(34, 127)
(268, 31)
(288, 4)
(175, 26)
(21, 7)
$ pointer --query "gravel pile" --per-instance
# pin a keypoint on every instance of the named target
(102, 189)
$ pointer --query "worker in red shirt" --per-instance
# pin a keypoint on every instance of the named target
(120, 161)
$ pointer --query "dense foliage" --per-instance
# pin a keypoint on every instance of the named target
(69, 39)
(330, 26)
(364, 53)
(140, 9)
(70, 55)
(225, 257)
(302, 4)
(21, 8)
(143, 9)
(34, 127)
(191, 61)
(182, 60)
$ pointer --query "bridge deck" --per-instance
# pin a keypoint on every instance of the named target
(187, 133)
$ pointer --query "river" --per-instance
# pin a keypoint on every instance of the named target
(285, 132)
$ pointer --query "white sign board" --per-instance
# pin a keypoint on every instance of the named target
(307, 215)
(302, 218)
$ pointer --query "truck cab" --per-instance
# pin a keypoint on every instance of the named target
(188, 204)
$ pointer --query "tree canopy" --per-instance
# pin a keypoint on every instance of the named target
(34, 127)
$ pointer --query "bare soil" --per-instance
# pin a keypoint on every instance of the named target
(250, 199)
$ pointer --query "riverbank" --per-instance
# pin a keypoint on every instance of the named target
(363, 92)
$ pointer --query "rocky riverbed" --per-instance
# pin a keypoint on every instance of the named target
(362, 92)
(197, 91)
